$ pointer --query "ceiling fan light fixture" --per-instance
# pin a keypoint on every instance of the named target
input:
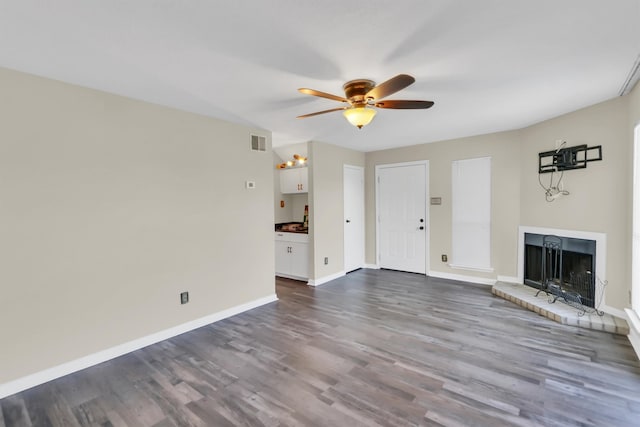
(359, 116)
(361, 95)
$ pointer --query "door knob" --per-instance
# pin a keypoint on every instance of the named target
(421, 219)
(421, 228)
(348, 221)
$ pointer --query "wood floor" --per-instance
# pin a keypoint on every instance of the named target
(373, 348)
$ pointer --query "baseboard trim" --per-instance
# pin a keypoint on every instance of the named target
(508, 279)
(292, 276)
(372, 266)
(326, 279)
(462, 278)
(41, 377)
(468, 268)
(634, 330)
(613, 311)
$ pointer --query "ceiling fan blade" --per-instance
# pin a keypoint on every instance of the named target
(404, 105)
(389, 87)
(321, 112)
(313, 92)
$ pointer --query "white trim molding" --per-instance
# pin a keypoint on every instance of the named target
(292, 276)
(462, 278)
(613, 311)
(372, 266)
(508, 279)
(326, 279)
(632, 78)
(634, 330)
(467, 268)
(41, 377)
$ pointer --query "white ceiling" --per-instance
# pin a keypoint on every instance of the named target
(489, 65)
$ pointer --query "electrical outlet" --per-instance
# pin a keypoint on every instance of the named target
(326, 260)
(444, 258)
(184, 297)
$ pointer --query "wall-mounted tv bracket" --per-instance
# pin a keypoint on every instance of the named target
(568, 158)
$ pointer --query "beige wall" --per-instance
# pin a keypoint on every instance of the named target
(503, 148)
(599, 199)
(634, 106)
(298, 202)
(109, 208)
(326, 205)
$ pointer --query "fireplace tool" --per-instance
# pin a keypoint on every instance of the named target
(551, 265)
(553, 283)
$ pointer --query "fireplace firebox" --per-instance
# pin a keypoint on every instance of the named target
(577, 269)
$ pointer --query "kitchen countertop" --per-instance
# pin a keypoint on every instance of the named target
(291, 227)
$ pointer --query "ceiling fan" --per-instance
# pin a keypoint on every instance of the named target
(361, 95)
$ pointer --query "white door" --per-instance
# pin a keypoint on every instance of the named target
(353, 218)
(401, 191)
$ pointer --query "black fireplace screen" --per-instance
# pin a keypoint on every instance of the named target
(578, 266)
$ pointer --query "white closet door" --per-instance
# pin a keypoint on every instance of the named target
(353, 218)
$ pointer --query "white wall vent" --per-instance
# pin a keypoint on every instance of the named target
(258, 143)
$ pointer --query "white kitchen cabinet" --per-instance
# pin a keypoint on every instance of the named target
(283, 257)
(294, 180)
(292, 255)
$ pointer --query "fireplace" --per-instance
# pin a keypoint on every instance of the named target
(584, 253)
(577, 271)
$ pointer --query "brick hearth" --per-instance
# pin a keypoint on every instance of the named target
(525, 297)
